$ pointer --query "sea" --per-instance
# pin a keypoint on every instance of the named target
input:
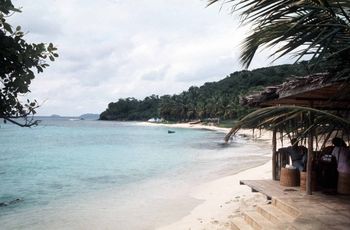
(83, 174)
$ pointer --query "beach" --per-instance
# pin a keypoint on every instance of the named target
(109, 174)
(222, 201)
(263, 135)
(223, 198)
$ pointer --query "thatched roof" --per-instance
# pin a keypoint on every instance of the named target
(313, 91)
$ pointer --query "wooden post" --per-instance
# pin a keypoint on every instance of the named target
(309, 157)
(274, 157)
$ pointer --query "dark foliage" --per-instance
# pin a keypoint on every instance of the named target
(317, 30)
(18, 61)
(132, 109)
(212, 100)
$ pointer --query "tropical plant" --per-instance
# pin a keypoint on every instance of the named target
(318, 30)
(18, 60)
(211, 100)
(296, 121)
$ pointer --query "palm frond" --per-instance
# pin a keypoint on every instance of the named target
(310, 27)
(291, 120)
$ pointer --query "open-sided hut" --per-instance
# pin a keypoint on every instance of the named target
(311, 107)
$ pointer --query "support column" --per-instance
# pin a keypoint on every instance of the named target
(274, 157)
(309, 157)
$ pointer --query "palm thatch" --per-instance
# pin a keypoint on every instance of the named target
(315, 90)
(283, 112)
(294, 121)
(318, 30)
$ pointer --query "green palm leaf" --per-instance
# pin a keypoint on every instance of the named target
(291, 119)
(320, 28)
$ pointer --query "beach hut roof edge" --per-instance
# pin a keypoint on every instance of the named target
(312, 91)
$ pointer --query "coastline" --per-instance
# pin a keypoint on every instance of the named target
(205, 195)
(223, 198)
(187, 126)
(263, 135)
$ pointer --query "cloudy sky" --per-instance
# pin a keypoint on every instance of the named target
(111, 49)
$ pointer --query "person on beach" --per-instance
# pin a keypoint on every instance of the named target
(298, 154)
(327, 173)
(342, 155)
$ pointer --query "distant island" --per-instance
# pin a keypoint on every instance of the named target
(55, 116)
(89, 116)
(86, 116)
(218, 100)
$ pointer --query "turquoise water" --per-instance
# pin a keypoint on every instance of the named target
(67, 165)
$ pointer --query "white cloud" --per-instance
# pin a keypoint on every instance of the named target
(118, 48)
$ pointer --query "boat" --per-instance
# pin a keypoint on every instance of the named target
(195, 122)
(171, 131)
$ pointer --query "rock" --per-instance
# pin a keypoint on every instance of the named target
(4, 204)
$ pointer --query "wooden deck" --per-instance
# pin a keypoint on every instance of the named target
(317, 211)
(272, 188)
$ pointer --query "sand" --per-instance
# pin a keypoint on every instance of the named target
(187, 126)
(263, 135)
(222, 201)
(224, 198)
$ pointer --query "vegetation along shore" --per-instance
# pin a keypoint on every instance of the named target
(212, 100)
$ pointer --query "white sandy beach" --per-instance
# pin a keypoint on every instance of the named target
(225, 197)
(187, 126)
(222, 201)
(264, 135)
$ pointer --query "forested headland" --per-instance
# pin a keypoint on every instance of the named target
(212, 100)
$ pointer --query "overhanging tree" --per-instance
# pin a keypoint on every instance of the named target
(318, 30)
(19, 60)
(315, 29)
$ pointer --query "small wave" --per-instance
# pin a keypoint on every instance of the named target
(105, 179)
(74, 119)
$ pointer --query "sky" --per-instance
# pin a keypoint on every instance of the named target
(111, 49)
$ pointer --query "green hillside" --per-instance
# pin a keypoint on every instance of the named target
(212, 100)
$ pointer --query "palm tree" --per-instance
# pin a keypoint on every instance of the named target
(314, 29)
(291, 121)
(318, 30)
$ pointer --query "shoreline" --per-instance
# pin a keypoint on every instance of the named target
(180, 199)
(263, 135)
(223, 199)
(187, 126)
